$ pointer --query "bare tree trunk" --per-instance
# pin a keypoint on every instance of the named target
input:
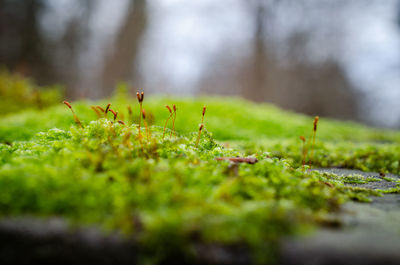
(120, 64)
(22, 46)
(258, 61)
(260, 82)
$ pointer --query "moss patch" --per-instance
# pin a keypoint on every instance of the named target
(168, 193)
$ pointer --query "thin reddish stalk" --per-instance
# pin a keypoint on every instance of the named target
(304, 151)
(145, 124)
(96, 111)
(76, 119)
(314, 133)
(173, 121)
(129, 115)
(140, 98)
(199, 135)
(166, 122)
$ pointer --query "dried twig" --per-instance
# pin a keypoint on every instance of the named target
(248, 160)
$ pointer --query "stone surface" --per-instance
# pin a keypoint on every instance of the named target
(370, 233)
(33, 241)
(53, 241)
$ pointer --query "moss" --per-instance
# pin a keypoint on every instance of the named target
(362, 155)
(391, 190)
(174, 190)
(169, 193)
(388, 179)
(360, 194)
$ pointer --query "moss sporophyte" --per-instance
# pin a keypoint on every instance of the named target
(77, 121)
(186, 189)
(169, 117)
(173, 121)
(140, 97)
(201, 126)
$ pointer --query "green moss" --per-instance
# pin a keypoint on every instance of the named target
(174, 190)
(356, 179)
(362, 155)
(248, 127)
(168, 194)
(388, 179)
(391, 190)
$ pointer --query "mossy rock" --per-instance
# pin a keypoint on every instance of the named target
(167, 192)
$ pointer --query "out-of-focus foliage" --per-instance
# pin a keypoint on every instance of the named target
(227, 118)
(18, 93)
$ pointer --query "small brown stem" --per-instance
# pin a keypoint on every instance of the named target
(145, 124)
(107, 108)
(203, 113)
(140, 117)
(115, 113)
(100, 108)
(140, 98)
(249, 160)
(201, 125)
(129, 115)
(304, 151)
(96, 111)
(166, 122)
(199, 135)
(314, 133)
(102, 111)
(173, 125)
(165, 125)
(173, 121)
(76, 119)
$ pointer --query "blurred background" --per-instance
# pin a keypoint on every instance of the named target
(335, 58)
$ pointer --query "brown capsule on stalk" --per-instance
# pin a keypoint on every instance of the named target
(140, 96)
(96, 111)
(144, 114)
(316, 123)
(129, 110)
(169, 108)
(204, 110)
(199, 135)
(115, 113)
(76, 119)
(68, 104)
(107, 108)
(100, 108)
(302, 138)
(121, 122)
(174, 107)
(112, 111)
